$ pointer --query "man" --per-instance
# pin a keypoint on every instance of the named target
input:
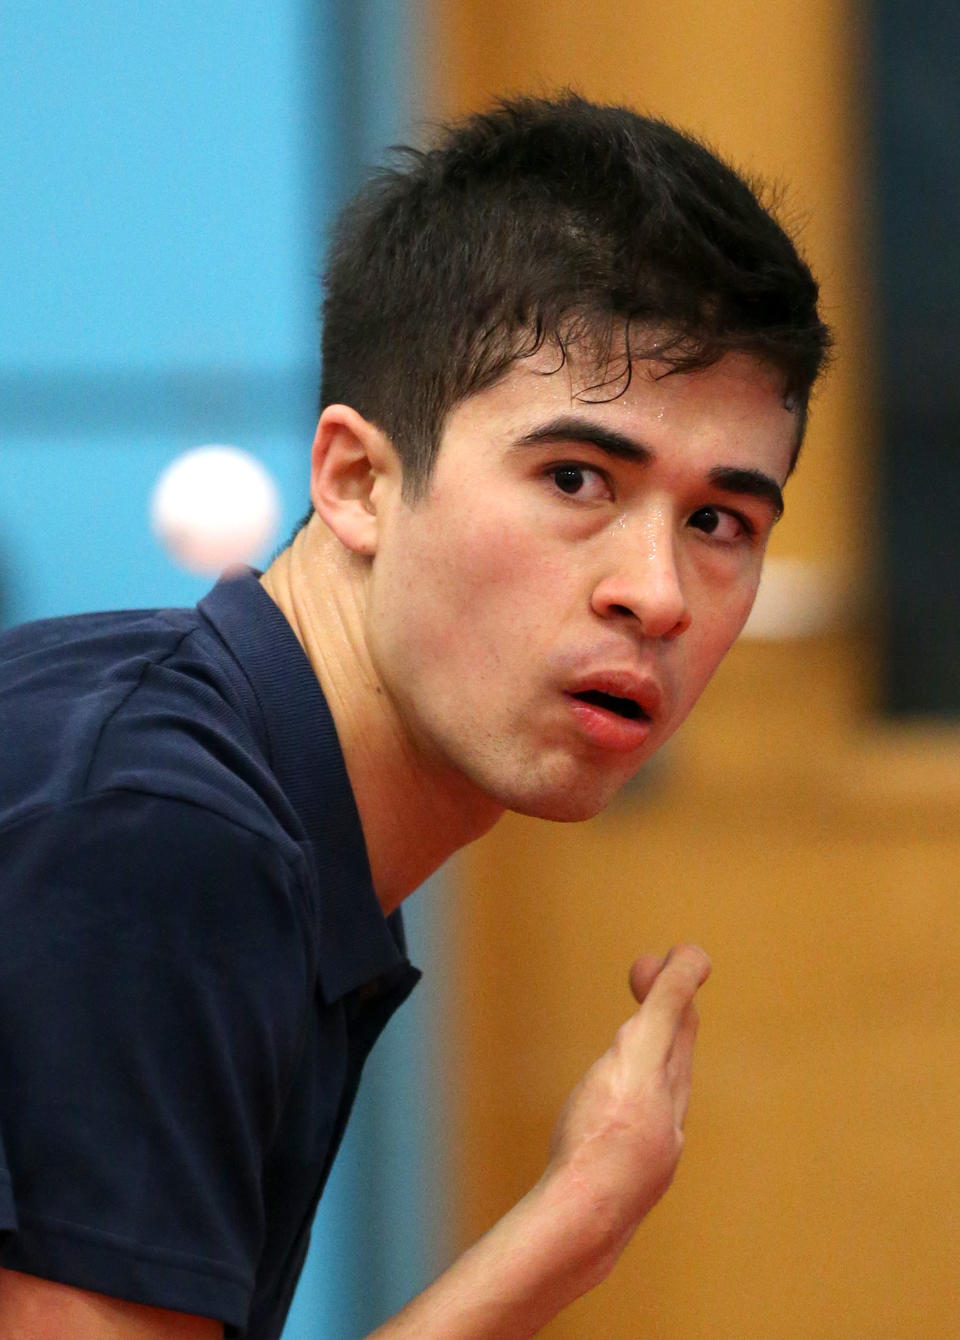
(567, 359)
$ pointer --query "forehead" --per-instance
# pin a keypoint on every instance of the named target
(735, 405)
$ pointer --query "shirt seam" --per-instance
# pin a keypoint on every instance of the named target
(190, 1264)
(122, 702)
(95, 797)
(307, 900)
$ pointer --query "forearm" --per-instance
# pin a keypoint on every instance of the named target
(534, 1261)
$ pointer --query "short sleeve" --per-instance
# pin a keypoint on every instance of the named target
(155, 974)
(8, 1210)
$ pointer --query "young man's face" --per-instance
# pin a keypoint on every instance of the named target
(547, 615)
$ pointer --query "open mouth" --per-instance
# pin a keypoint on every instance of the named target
(622, 707)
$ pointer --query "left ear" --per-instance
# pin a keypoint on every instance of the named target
(352, 459)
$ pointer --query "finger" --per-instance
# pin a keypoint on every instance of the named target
(643, 974)
(680, 1065)
(659, 1019)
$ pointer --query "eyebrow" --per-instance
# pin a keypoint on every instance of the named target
(572, 428)
(726, 478)
(753, 483)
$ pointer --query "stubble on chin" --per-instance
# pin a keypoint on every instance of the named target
(569, 800)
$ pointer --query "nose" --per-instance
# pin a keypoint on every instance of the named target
(643, 581)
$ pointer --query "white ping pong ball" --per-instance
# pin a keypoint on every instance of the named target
(214, 506)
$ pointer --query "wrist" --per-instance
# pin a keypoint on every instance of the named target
(583, 1230)
(541, 1256)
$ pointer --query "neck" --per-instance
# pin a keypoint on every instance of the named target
(414, 812)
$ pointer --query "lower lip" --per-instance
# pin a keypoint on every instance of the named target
(607, 730)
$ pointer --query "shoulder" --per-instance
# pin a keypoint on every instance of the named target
(62, 682)
(158, 869)
(150, 702)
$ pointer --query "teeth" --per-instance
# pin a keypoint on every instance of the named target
(624, 707)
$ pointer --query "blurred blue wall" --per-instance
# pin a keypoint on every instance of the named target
(168, 172)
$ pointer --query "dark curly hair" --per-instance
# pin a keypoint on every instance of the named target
(554, 221)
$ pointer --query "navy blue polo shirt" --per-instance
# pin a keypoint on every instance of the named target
(193, 961)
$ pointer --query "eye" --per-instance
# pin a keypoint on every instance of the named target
(580, 481)
(721, 525)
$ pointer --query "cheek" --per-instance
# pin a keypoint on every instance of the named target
(460, 598)
(481, 560)
(721, 622)
(739, 607)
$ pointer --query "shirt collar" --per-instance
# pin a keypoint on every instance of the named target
(358, 944)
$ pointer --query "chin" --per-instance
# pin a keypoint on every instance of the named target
(559, 787)
(568, 805)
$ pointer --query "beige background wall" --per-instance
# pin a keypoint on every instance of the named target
(814, 851)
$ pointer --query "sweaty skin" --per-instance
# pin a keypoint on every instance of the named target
(452, 633)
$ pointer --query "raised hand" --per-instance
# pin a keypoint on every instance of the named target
(613, 1154)
(616, 1145)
